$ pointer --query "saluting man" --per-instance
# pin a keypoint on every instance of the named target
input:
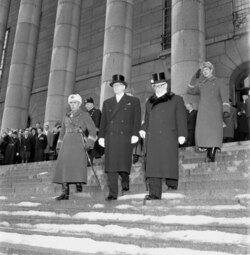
(119, 130)
(165, 125)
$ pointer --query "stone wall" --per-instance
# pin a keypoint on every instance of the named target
(225, 48)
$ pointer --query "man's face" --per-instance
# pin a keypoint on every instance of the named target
(89, 106)
(159, 87)
(118, 88)
(74, 105)
(46, 127)
(206, 71)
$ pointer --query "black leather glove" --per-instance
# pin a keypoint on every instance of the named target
(226, 114)
(89, 144)
(198, 74)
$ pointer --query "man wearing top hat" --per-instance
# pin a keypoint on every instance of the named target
(119, 131)
(164, 128)
(96, 115)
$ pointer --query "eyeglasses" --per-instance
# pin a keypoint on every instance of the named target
(159, 85)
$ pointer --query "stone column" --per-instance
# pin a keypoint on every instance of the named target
(117, 50)
(64, 59)
(188, 43)
(19, 86)
(4, 13)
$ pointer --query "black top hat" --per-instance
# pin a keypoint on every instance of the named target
(89, 100)
(118, 78)
(158, 78)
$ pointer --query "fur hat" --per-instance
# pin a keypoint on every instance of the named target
(207, 64)
(75, 97)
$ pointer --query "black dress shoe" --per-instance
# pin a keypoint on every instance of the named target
(62, 197)
(78, 187)
(151, 197)
(172, 188)
(109, 198)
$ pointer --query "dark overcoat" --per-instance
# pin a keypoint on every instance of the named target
(214, 100)
(71, 164)
(165, 120)
(119, 122)
(231, 123)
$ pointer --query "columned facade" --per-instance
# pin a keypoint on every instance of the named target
(20, 80)
(188, 43)
(4, 11)
(64, 59)
(117, 50)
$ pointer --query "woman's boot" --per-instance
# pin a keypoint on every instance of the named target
(213, 152)
(65, 192)
(209, 154)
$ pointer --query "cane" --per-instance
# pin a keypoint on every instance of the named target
(87, 154)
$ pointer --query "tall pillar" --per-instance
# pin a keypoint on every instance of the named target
(188, 43)
(64, 59)
(4, 13)
(117, 50)
(19, 86)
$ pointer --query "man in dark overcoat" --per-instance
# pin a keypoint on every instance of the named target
(119, 131)
(191, 122)
(165, 125)
(96, 115)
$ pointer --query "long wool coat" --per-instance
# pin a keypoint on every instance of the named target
(214, 100)
(71, 164)
(165, 120)
(119, 122)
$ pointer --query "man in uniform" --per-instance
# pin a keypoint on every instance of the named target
(165, 125)
(119, 131)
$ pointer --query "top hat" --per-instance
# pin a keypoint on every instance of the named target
(158, 78)
(118, 78)
(89, 100)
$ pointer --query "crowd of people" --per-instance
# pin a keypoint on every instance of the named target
(168, 124)
(32, 144)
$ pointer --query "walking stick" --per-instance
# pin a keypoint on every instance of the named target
(92, 167)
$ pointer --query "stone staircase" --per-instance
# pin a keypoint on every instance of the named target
(208, 214)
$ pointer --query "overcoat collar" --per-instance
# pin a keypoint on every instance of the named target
(119, 105)
(154, 100)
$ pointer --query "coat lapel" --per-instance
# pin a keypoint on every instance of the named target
(119, 106)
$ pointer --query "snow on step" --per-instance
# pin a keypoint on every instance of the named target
(195, 220)
(89, 246)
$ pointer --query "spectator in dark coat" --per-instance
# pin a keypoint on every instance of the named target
(119, 131)
(242, 118)
(191, 123)
(4, 140)
(41, 143)
(56, 132)
(213, 106)
(49, 136)
(33, 137)
(96, 115)
(13, 149)
(165, 126)
(230, 125)
(25, 148)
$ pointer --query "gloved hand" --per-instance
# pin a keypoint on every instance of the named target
(142, 134)
(181, 140)
(134, 139)
(226, 114)
(101, 141)
(198, 73)
(58, 145)
(89, 145)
